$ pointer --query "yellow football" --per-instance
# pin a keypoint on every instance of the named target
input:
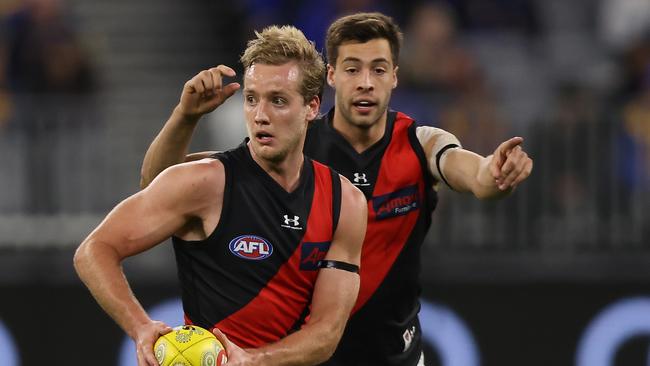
(189, 345)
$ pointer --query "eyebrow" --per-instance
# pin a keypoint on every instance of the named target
(273, 93)
(355, 59)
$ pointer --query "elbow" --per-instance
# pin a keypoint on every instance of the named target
(144, 179)
(81, 258)
(89, 254)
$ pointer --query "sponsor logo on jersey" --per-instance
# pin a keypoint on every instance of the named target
(311, 253)
(360, 179)
(396, 203)
(251, 247)
(291, 222)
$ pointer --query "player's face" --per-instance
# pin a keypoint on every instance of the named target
(364, 77)
(275, 111)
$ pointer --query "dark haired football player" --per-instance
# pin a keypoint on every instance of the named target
(397, 165)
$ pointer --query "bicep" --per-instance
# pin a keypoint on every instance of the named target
(155, 213)
(335, 293)
(351, 228)
(436, 143)
(137, 224)
(336, 290)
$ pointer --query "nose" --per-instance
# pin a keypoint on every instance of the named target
(261, 117)
(365, 81)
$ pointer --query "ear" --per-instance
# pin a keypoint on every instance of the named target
(313, 108)
(395, 76)
(330, 75)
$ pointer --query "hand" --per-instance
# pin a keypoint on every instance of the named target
(510, 164)
(145, 337)
(205, 92)
(237, 356)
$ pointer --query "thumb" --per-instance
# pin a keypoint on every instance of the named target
(230, 89)
(222, 338)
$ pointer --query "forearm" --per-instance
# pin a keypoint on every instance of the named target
(311, 345)
(169, 147)
(334, 297)
(99, 268)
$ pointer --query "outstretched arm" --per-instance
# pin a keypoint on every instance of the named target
(334, 296)
(202, 94)
(135, 225)
(493, 176)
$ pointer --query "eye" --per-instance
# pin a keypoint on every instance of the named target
(250, 99)
(279, 101)
(351, 70)
(380, 71)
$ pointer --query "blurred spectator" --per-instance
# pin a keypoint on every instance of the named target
(311, 17)
(508, 15)
(635, 162)
(45, 72)
(574, 155)
(623, 23)
(442, 83)
(634, 62)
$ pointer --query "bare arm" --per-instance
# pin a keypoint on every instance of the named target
(334, 296)
(493, 176)
(135, 225)
(202, 94)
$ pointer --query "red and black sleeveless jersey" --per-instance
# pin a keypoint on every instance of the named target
(253, 277)
(394, 177)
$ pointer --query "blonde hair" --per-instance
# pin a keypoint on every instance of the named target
(279, 45)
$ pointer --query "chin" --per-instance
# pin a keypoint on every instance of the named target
(269, 154)
(365, 121)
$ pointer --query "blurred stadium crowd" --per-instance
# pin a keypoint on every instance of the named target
(85, 85)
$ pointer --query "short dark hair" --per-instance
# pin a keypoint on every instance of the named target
(363, 27)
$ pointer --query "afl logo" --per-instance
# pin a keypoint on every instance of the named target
(251, 247)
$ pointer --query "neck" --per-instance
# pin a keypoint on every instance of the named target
(285, 172)
(361, 137)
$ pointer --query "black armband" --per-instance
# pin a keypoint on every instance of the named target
(338, 265)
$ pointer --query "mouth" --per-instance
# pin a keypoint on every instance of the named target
(263, 137)
(364, 105)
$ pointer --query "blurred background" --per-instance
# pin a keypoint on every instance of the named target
(557, 274)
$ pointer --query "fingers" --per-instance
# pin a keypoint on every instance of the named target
(140, 356)
(528, 168)
(511, 143)
(515, 169)
(146, 340)
(500, 156)
(146, 358)
(221, 337)
(162, 328)
(151, 359)
(209, 82)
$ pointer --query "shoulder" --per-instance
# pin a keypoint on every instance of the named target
(351, 196)
(434, 139)
(192, 180)
(352, 223)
